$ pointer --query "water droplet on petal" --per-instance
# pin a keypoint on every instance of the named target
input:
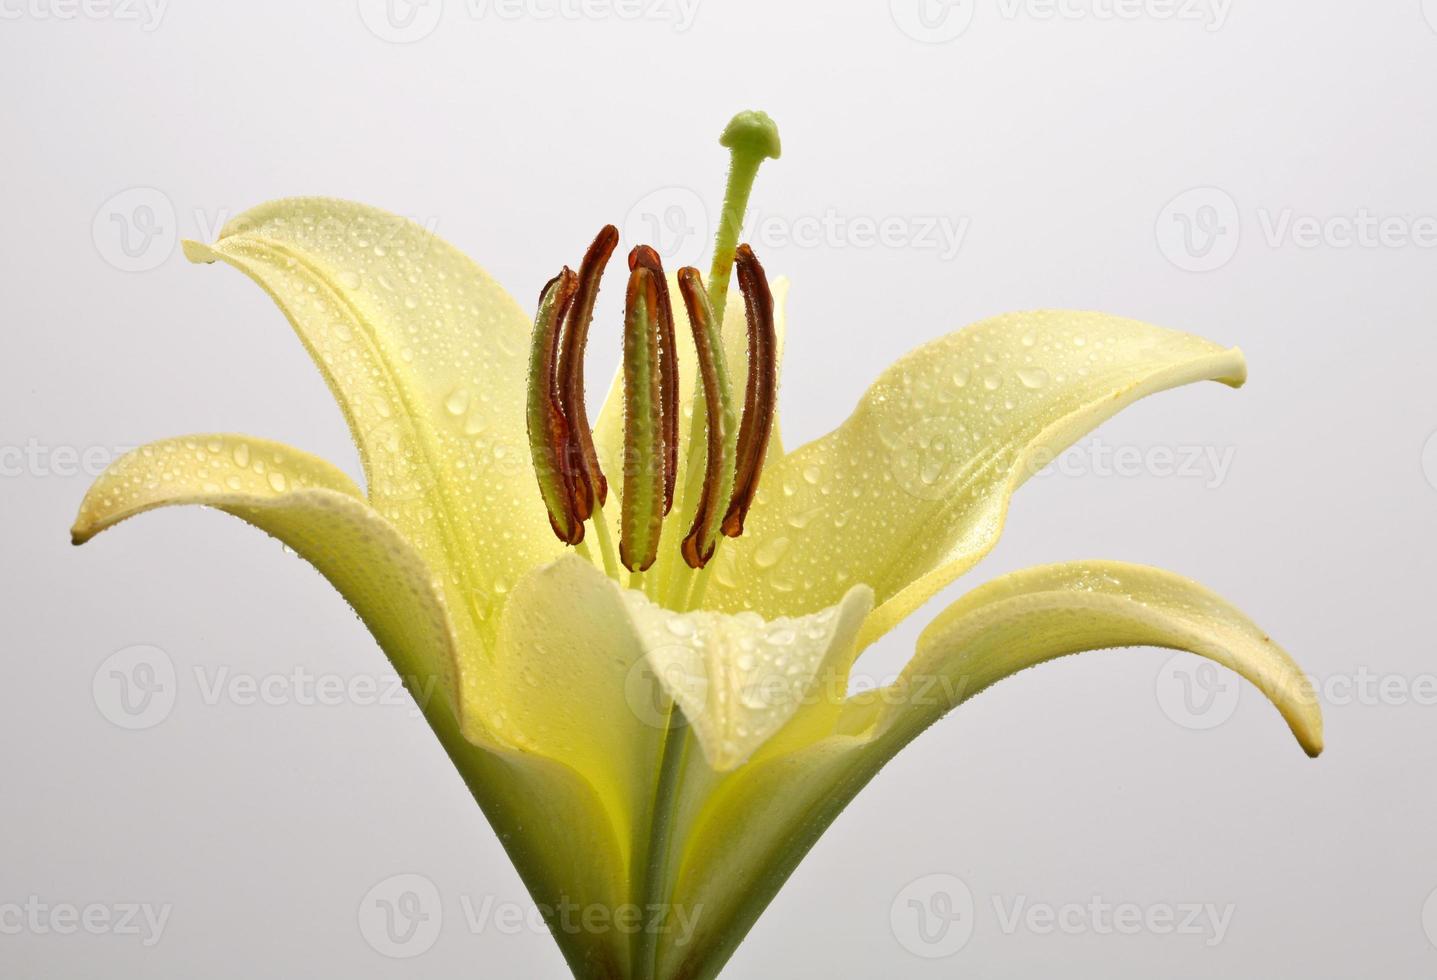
(1033, 377)
(769, 553)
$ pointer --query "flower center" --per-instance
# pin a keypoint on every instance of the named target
(727, 440)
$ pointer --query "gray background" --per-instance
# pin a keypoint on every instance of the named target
(1066, 145)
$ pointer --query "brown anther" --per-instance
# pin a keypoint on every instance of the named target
(762, 392)
(588, 482)
(549, 430)
(643, 255)
(698, 545)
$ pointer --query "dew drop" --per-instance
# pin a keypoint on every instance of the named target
(770, 552)
(458, 401)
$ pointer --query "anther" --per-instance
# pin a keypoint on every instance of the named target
(588, 483)
(549, 430)
(762, 391)
(645, 257)
(698, 546)
(642, 505)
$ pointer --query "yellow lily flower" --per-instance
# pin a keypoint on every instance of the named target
(664, 732)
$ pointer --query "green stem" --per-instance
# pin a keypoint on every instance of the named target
(655, 853)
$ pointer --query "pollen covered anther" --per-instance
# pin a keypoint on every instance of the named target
(699, 544)
(589, 483)
(762, 392)
(644, 256)
(642, 503)
(549, 431)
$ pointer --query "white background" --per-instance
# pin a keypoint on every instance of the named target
(1065, 146)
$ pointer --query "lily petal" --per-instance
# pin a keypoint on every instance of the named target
(739, 679)
(760, 821)
(578, 658)
(426, 354)
(1036, 615)
(913, 489)
(555, 827)
(315, 509)
(567, 667)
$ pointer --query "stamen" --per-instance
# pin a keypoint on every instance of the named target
(642, 515)
(589, 482)
(548, 428)
(698, 546)
(762, 391)
(646, 257)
